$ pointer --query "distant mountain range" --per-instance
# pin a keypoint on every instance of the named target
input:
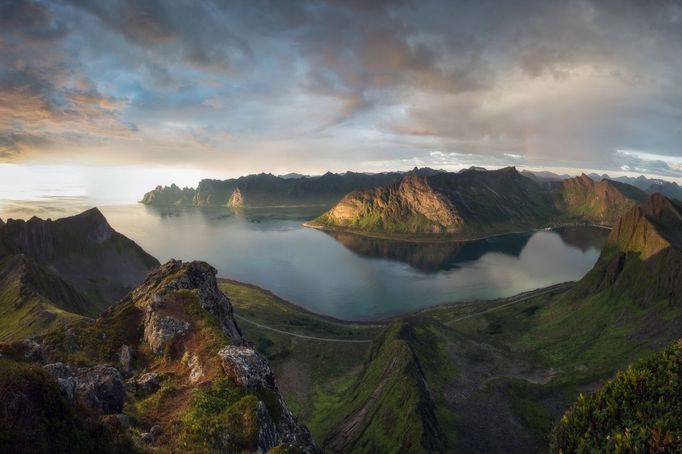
(267, 190)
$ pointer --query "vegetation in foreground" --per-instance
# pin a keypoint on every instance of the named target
(638, 411)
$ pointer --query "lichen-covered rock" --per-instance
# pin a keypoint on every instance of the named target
(160, 331)
(176, 275)
(148, 383)
(248, 369)
(100, 388)
(64, 376)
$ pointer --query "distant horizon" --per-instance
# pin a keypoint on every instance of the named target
(104, 185)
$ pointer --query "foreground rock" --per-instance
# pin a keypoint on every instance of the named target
(248, 369)
(165, 337)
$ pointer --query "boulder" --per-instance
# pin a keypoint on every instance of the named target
(100, 388)
(246, 367)
(160, 331)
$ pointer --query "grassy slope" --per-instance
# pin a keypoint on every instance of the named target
(307, 371)
(33, 301)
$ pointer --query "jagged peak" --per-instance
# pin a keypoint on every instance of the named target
(197, 275)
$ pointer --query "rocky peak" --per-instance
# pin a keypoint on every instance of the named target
(176, 275)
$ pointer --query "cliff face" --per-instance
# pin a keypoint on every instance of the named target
(84, 251)
(173, 352)
(643, 254)
(602, 202)
(470, 202)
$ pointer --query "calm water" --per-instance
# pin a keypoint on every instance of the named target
(343, 275)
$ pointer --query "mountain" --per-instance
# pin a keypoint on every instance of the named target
(600, 202)
(643, 254)
(166, 369)
(638, 411)
(669, 189)
(54, 271)
(267, 190)
(464, 204)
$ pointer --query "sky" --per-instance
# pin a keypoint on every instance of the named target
(150, 91)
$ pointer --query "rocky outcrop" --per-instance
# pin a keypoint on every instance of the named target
(176, 275)
(249, 370)
(148, 383)
(160, 332)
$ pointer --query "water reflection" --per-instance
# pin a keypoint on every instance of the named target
(443, 256)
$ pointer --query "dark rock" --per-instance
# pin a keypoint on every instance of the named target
(100, 388)
(146, 438)
(268, 437)
(156, 431)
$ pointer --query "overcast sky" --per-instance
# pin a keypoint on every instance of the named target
(233, 87)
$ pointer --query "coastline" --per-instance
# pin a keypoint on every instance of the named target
(444, 238)
(384, 322)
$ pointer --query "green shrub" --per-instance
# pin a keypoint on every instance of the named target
(638, 411)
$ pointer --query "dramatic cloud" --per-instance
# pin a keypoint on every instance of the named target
(312, 85)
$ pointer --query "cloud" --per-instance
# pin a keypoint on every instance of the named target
(327, 83)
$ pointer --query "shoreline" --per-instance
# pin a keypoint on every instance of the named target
(384, 322)
(443, 238)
